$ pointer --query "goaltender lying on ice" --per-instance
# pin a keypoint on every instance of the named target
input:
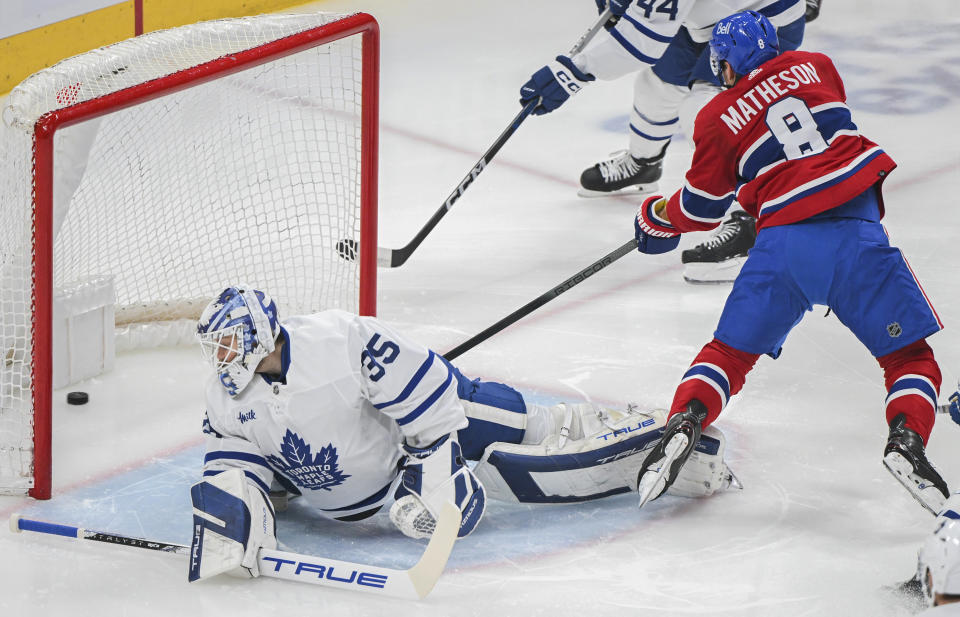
(346, 413)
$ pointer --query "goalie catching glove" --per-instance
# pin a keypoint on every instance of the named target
(654, 232)
(432, 476)
(232, 521)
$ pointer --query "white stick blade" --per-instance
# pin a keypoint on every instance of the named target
(335, 573)
(425, 574)
(384, 257)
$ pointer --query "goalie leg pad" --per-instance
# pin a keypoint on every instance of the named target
(606, 463)
(495, 411)
(232, 520)
(488, 424)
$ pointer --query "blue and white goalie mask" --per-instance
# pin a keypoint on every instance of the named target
(236, 331)
(939, 560)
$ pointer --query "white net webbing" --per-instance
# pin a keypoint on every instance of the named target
(249, 178)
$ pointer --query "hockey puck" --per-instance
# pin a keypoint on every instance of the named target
(77, 398)
(347, 249)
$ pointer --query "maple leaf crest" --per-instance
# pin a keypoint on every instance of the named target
(305, 469)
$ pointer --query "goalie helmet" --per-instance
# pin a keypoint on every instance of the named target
(938, 566)
(745, 41)
(236, 331)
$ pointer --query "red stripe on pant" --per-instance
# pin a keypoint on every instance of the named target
(735, 363)
(914, 359)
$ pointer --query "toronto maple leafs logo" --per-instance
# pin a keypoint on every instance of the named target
(310, 471)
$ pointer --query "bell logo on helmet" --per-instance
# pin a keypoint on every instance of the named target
(745, 41)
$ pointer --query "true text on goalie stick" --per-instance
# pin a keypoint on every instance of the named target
(413, 584)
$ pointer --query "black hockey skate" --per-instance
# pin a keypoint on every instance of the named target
(622, 172)
(904, 457)
(719, 259)
(663, 463)
(812, 10)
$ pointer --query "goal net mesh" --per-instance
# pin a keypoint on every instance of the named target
(251, 177)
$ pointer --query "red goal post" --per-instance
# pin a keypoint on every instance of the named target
(280, 129)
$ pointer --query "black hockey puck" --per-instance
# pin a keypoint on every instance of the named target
(347, 249)
(77, 398)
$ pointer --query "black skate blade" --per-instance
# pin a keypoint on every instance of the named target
(730, 481)
(691, 281)
(631, 191)
(713, 273)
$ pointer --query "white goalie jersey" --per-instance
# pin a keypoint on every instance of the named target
(353, 390)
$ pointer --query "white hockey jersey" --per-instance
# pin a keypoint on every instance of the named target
(353, 390)
(643, 33)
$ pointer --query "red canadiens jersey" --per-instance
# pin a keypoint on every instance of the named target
(782, 143)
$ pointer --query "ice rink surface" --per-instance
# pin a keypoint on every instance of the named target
(820, 527)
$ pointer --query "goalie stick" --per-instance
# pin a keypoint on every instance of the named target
(412, 584)
(533, 305)
(392, 258)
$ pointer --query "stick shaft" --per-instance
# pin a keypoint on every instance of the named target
(414, 583)
(393, 258)
(536, 303)
(605, 17)
(18, 523)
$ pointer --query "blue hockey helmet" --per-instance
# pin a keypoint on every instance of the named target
(237, 330)
(745, 41)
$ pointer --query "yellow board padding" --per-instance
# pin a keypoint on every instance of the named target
(160, 14)
(26, 53)
(22, 55)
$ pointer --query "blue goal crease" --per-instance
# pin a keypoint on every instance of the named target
(153, 502)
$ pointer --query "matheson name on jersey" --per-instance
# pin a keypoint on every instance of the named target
(782, 143)
(769, 90)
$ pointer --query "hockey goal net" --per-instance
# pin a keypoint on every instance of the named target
(174, 164)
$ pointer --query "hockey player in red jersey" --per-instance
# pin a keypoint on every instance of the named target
(781, 141)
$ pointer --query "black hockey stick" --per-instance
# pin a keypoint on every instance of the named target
(393, 258)
(533, 305)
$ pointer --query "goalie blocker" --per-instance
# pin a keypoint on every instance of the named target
(560, 470)
(232, 521)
